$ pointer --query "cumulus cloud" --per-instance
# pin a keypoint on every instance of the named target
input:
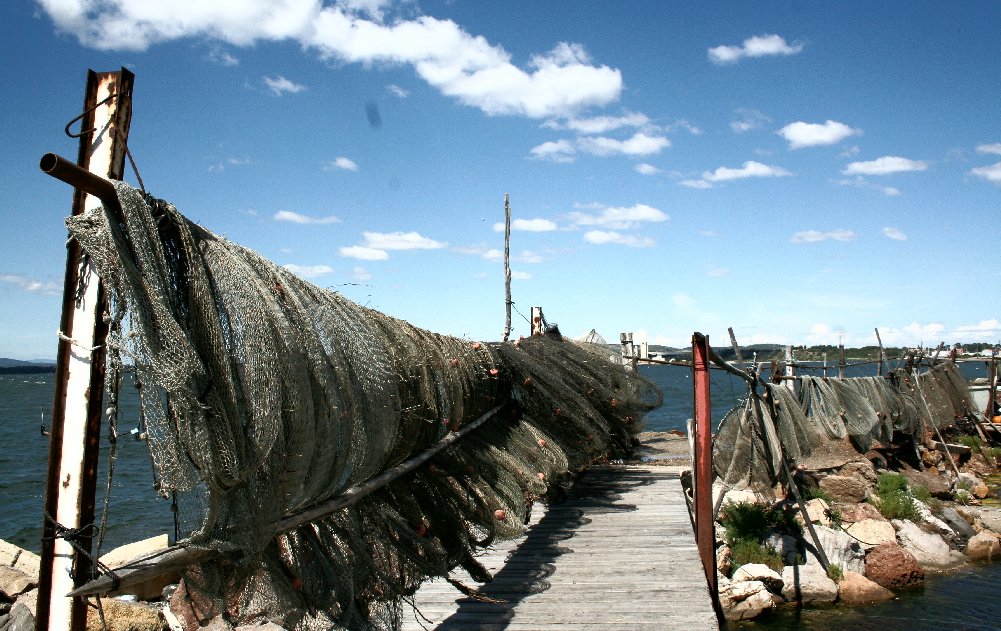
(893, 233)
(813, 236)
(223, 58)
(560, 82)
(646, 169)
(340, 163)
(280, 85)
(800, 134)
(397, 91)
(32, 285)
(308, 271)
(528, 225)
(861, 182)
(619, 217)
(749, 120)
(293, 217)
(602, 237)
(364, 254)
(725, 174)
(400, 241)
(757, 46)
(990, 173)
(640, 144)
(885, 166)
(994, 148)
(983, 331)
(601, 124)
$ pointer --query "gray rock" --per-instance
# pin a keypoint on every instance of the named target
(930, 550)
(933, 522)
(843, 488)
(786, 546)
(957, 523)
(990, 518)
(29, 600)
(745, 600)
(871, 532)
(839, 547)
(19, 619)
(808, 584)
(759, 572)
(860, 469)
(14, 582)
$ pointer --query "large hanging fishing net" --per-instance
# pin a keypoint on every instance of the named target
(832, 420)
(265, 396)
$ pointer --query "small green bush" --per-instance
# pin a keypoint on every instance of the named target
(921, 492)
(892, 498)
(747, 521)
(834, 572)
(973, 442)
(889, 482)
(744, 552)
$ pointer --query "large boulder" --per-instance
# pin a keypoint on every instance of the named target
(855, 589)
(786, 546)
(931, 522)
(973, 484)
(858, 511)
(989, 518)
(817, 510)
(744, 600)
(930, 550)
(840, 549)
(845, 488)
(939, 486)
(134, 616)
(14, 582)
(759, 572)
(806, 584)
(983, 546)
(893, 567)
(20, 618)
(871, 532)
(958, 523)
(861, 469)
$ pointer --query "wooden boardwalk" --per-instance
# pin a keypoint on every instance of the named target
(619, 554)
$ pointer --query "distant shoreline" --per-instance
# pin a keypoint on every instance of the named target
(27, 370)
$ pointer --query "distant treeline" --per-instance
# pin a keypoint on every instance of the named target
(33, 369)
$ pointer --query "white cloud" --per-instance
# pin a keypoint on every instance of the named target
(397, 91)
(724, 174)
(34, 286)
(364, 254)
(223, 58)
(602, 237)
(555, 150)
(308, 271)
(681, 123)
(640, 144)
(620, 218)
(494, 255)
(895, 234)
(400, 241)
(293, 217)
(340, 163)
(749, 121)
(990, 173)
(913, 334)
(280, 85)
(601, 124)
(812, 236)
(757, 46)
(861, 182)
(993, 148)
(458, 64)
(646, 169)
(528, 225)
(983, 331)
(885, 166)
(360, 274)
(800, 134)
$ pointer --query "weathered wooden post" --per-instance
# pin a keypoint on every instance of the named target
(507, 267)
(626, 341)
(790, 371)
(537, 321)
(841, 359)
(76, 409)
(879, 343)
(702, 475)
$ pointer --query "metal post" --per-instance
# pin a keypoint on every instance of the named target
(702, 476)
(76, 409)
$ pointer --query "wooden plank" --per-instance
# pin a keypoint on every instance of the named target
(619, 553)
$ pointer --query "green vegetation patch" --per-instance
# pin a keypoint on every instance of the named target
(893, 499)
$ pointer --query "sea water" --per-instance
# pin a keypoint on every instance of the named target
(963, 600)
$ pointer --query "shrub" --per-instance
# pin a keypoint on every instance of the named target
(889, 482)
(973, 442)
(834, 572)
(747, 521)
(921, 492)
(893, 500)
(744, 551)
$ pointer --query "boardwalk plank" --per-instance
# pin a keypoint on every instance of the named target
(618, 554)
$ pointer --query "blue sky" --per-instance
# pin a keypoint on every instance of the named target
(802, 172)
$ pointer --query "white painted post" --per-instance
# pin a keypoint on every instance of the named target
(76, 418)
(790, 369)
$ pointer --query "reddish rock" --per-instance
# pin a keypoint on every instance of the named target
(855, 589)
(192, 609)
(983, 546)
(858, 512)
(889, 565)
(844, 488)
(938, 485)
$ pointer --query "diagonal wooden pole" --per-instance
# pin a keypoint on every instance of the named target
(76, 410)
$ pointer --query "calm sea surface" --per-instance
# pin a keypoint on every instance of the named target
(967, 600)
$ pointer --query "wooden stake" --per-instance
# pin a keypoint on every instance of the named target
(507, 266)
(76, 409)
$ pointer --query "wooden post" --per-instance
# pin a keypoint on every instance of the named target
(626, 341)
(702, 475)
(879, 342)
(841, 359)
(76, 409)
(825, 364)
(507, 266)
(790, 369)
(537, 321)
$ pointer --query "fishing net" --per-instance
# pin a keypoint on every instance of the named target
(828, 413)
(265, 396)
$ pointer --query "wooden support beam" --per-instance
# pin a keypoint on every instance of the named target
(702, 475)
(507, 267)
(76, 409)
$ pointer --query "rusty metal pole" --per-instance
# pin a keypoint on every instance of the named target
(76, 410)
(702, 475)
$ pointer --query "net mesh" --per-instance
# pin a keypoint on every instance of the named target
(265, 396)
(828, 415)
